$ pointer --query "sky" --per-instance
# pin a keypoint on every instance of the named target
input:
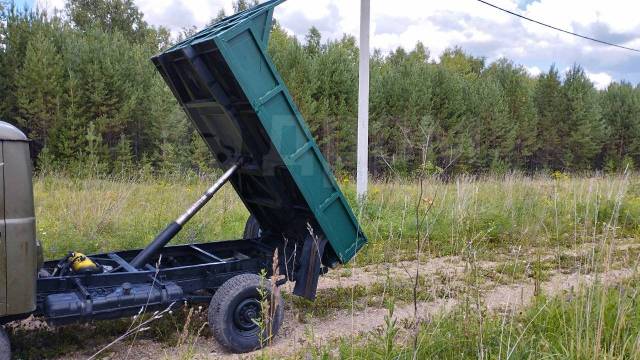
(440, 24)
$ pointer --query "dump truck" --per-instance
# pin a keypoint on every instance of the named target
(226, 82)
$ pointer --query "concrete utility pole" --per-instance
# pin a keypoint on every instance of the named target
(363, 101)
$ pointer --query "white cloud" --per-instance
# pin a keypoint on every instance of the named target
(487, 32)
(480, 29)
(620, 15)
(600, 80)
(534, 70)
(50, 4)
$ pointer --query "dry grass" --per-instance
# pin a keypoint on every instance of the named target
(94, 215)
(510, 212)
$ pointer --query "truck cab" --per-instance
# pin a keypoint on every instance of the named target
(18, 245)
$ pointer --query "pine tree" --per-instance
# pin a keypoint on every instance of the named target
(587, 130)
(146, 167)
(242, 5)
(552, 124)
(458, 61)
(84, 86)
(111, 16)
(123, 162)
(449, 122)
(492, 128)
(201, 157)
(94, 162)
(169, 159)
(69, 135)
(38, 88)
(621, 112)
(401, 95)
(313, 42)
(46, 162)
(517, 89)
(335, 94)
(221, 15)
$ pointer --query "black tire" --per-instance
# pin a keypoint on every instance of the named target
(252, 229)
(234, 306)
(5, 345)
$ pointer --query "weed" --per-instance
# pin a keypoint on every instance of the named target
(475, 218)
(96, 214)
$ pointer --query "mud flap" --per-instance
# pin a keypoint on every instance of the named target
(309, 271)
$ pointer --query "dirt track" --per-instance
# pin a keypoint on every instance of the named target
(350, 322)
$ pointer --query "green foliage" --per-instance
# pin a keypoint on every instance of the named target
(37, 86)
(169, 159)
(94, 153)
(457, 61)
(201, 157)
(96, 213)
(454, 115)
(587, 130)
(241, 5)
(111, 16)
(123, 158)
(550, 110)
(57, 79)
(621, 112)
(496, 213)
(518, 127)
(594, 323)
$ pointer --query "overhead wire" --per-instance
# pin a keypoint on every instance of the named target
(557, 28)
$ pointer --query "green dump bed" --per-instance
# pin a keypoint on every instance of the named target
(227, 84)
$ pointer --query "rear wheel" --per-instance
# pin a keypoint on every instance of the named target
(252, 229)
(235, 313)
(5, 345)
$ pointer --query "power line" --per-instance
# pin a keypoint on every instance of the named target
(558, 29)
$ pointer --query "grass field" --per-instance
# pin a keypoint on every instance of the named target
(503, 213)
(595, 323)
(473, 240)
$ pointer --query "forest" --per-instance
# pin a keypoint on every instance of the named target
(80, 83)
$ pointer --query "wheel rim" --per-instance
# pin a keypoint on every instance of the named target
(245, 314)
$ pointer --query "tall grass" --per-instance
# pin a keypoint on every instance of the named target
(117, 213)
(96, 214)
(599, 321)
(473, 217)
(595, 323)
(502, 213)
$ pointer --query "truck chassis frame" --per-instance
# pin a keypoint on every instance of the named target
(183, 273)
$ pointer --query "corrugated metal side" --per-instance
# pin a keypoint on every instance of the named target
(229, 87)
(271, 100)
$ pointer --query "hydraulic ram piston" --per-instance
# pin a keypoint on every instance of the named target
(173, 228)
